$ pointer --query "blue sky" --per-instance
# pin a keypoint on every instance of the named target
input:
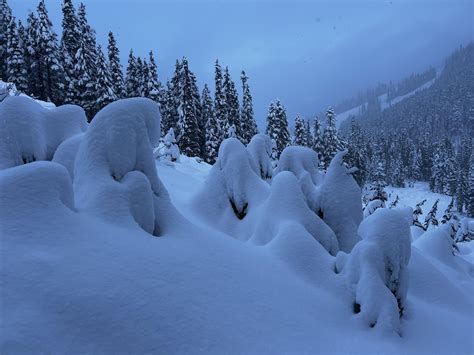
(309, 54)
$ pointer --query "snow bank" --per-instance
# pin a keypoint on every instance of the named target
(286, 204)
(114, 174)
(67, 151)
(376, 270)
(29, 132)
(260, 149)
(341, 203)
(25, 189)
(233, 187)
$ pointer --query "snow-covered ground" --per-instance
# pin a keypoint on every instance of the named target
(79, 273)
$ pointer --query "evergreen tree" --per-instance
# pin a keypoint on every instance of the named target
(188, 132)
(357, 153)
(46, 69)
(115, 67)
(417, 212)
(84, 86)
(104, 87)
(309, 135)
(153, 82)
(463, 165)
(300, 137)
(448, 212)
(168, 108)
(16, 67)
(70, 44)
(277, 127)
(431, 216)
(140, 77)
(248, 124)
(220, 108)
(5, 19)
(131, 81)
(378, 184)
(331, 141)
(470, 189)
(212, 128)
(317, 139)
(232, 104)
(31, 58)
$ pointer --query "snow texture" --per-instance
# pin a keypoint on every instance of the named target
(30, 132)
(67, 151)
(286, 205)
(376, 270)
(260, 149)
(341, 203)
(115, 175)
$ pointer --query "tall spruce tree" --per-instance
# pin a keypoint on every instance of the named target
(220, 107)
(300, 137)
(309, 134)
(131, 81)
(212, 128)
(232, 104)
(470, 188)
(277, 127)
(318, 140)
(115, 67)
(104, 87)
(154, 86)
(5, 19)
(247, 119)
(357, 153)
(168, 108)
(330, 141)
(16, 67)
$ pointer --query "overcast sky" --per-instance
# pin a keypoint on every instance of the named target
(309, 54)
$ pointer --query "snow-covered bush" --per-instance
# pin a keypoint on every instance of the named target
(67, 151)
(260, 149)
(170, 148)
(29, 132)
(437, 243)
(372, 206)
(376, 272)
(232, 188)
(115, 175)
(286, 204)
(465, 231)
(341, 202)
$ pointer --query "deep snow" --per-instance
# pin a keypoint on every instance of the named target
(80, 273)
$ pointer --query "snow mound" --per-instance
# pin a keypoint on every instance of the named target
(341, 202)
(115, 175)
(303, 163)
(286, 204)
(29, 132)
(67, 151)
(376, 270)
(260, 149)
(233, 188)
(39, 186)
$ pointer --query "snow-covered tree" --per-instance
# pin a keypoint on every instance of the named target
(6, 17)
(70, 44)
(212, 128)
(470, 189)
(300, 137)
(247, 120)
(103, 87)
(232, 104)
(357, 156)
(115, 67)
(417, 212)
(131, 82)
(431, 216)
(171, 149)
(308, 133)
(277, 127)
(317, 139)
(330, 141)
(220, 107)
(154, 85)
(16, 67)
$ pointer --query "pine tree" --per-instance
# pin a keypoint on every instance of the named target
(220, 108)
(431, 216)
(5, 19)
(104, 88)
(463, 165)
(417, 212)
(31, 55)
(317, 139)
(357, 153)
(277, 127)
(188, 132)
(46, 68)
(248, 124)
(300, 133)
(448, 212)
(168, 108)
(470, 189)
(309, 135)
(70, 44)
(115, 67)
(84, 86)
(154, 85)
(140, 73)
(378, 184)
(16, 67)
(331, 141)
(212, 129)
(232, 104)
(131, 81)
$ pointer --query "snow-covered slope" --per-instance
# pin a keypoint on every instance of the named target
(74, 282)
(384, 102)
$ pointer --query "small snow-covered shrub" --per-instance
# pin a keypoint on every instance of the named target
(376, 272)
(115, 175)
(286, 204)
(40, 187)
(260, 149)
(170, 147)
(232, 187)
(303, 163)
(372, 206)
(67, 151)
(341, 202)
(30, 132)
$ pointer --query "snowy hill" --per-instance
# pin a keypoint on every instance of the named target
(105, 250)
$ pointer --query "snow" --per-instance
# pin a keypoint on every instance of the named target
(260, 148)
(341, 202)
(82, 272)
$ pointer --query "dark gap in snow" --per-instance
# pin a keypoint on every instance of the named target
(239, 214)
(356, 307)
